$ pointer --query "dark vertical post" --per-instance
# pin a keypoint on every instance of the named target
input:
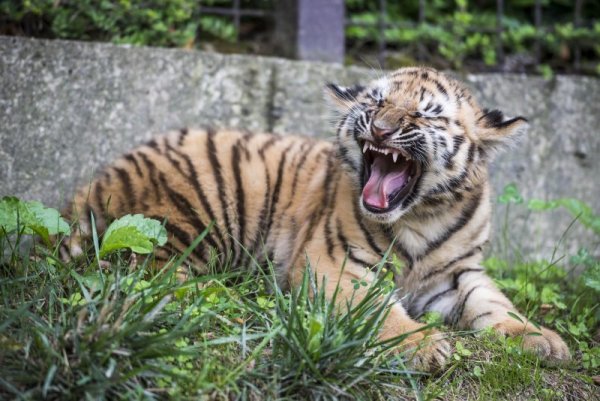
(310, 29)
(420, 47)
(381, 34)
(577, 23)
(537, 18)
(499, 29)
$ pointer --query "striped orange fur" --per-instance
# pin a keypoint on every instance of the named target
(408, 169)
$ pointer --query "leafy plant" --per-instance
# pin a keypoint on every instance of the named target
(461, 34)
(136, 232)
(153, 22)
(29, 218)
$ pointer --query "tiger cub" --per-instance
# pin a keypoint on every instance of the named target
(409, 168)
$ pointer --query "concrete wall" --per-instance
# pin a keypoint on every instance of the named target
(66, 108)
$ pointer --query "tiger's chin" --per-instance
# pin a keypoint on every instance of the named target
(390, 178)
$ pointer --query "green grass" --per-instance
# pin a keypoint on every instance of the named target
(75, 331)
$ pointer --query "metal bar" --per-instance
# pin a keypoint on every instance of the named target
(577, 23)
(381, 37)
(499, 29)
(412, 25)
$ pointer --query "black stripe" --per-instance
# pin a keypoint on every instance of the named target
(343, 154)
(185, 239)
(330, 192)
(435, 298)
(186, 209)
(298, 166)
(194, 181)
(441, 88)
(465, 216)
(267, 145)
(465, 255)
(414, 193)
(152, 170)
(449, 156)
(131, 158)
(459, 309)
(262, 216)
(127, 187)
(182, 134)
(328, 236)
(239, 194)
(172, 160)
(182, 235)
(99, 198)
(342, 123)
(216, 167)
(471, 154)
(277, 187)
(390, 236)
(365, 231)
(453, 287)
(456, 275)
(153, 144)
(452, 185)
(477, 318)
(346, 245)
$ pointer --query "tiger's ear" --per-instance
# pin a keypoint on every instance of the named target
(341, 97)
(495, 131)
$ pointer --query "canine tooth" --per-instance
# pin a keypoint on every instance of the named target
(365, 147)
(395, 156)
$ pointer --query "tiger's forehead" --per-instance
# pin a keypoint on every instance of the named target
(421, 89)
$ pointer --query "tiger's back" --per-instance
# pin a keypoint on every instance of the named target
(249, 185)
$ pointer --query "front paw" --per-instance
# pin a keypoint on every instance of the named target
(429, 353)
(545, 342)
(426, 350)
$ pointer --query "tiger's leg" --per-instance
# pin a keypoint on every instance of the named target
(428, 349)
(469, 299)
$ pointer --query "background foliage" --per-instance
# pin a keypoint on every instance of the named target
(457, 34)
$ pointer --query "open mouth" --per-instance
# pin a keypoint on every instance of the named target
(389, 177)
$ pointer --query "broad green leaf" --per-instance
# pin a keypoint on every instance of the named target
(135, 232)
(30, 218)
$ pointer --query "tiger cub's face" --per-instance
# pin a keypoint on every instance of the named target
(412, 135)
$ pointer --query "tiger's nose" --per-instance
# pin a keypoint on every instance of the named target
(381, 133)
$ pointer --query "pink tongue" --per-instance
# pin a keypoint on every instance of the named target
(383, 182)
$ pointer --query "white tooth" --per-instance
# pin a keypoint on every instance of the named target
(365, 147)
(395, 156)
